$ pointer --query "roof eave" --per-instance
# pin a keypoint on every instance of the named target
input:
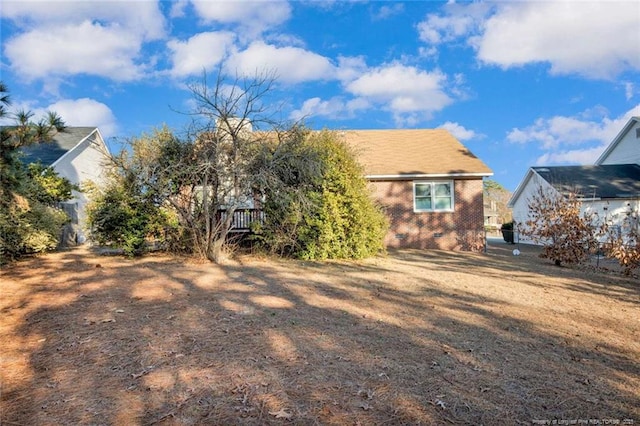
(77, 145)
(616, 140)
(520, 188)
(428, 176)
(104, 143)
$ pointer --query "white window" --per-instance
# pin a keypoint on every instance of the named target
(434, 196)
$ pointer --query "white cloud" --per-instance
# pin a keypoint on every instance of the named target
(335, 108)
(142, 17)
(459, 131)
(178, 8)
(87, 48)
(576, 156)
(593, 39)
(55, 39)
(291, 64)
(555, 134)
(317, 107)
(350, 68)
(427, 52)
(458, 20)
(202, 51)
(558, 131)
(589, 38)
(84, 112)
(386, 11)
(253, 17)
(438, 29)
(629, 90)
(410, 93)
(281, 39)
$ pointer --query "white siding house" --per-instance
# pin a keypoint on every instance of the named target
(609, 188)
(625, 148)
(519, 202)
(79, 154)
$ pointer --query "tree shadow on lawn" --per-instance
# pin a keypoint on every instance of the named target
(528, 267)
(160, 341)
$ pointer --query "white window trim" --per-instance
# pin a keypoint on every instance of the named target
(432, 183)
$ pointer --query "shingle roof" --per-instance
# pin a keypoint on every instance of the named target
(413, 152)
(606, 181)
(49, 152)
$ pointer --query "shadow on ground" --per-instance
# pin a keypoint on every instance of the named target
(413, 338)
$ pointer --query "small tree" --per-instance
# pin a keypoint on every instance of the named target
(288, 171)
(46, 186)
(555, 221)
(317, 202)
(497, 195)
(29, 223)
(622, 241)
(125, 217)
(203, 176)
(221, 145)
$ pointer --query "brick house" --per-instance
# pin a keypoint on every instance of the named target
(429, 184)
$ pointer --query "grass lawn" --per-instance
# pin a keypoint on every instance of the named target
(416, 337)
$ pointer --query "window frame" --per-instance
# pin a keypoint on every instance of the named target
(433, 184)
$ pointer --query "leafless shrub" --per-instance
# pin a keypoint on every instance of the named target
(555, 222)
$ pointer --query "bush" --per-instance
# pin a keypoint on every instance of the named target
(28, 227)
(555, 221)
(122, 218)
(318, 205)
(623, 240)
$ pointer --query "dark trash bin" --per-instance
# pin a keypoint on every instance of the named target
(507, 232)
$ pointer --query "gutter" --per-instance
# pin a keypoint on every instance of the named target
(426, 175)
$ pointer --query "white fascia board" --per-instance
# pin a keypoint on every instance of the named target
(426, 176)
(520, 188)
(616, 140)
(102, 142)
(72, 149)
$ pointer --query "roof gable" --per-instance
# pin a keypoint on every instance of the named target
(600, 181)
(410, 153)
(48, 153)
(616, 141)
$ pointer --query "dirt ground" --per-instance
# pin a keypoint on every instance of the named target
(416, 337)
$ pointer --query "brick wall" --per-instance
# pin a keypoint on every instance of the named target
(461, 229)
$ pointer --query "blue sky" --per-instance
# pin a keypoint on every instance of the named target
(519, 83)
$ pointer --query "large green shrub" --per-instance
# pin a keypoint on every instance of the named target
(28, 227)
(317, 202)
(122, 217)
(28, 221)
(45, 185)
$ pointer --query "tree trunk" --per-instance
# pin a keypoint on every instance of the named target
(216, 249)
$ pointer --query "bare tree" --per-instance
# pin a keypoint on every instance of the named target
(555, 221)
(622, 238)
(497, 196)
(205, 176)
(226, 134)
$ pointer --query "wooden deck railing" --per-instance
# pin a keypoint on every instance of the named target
(242, 219)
